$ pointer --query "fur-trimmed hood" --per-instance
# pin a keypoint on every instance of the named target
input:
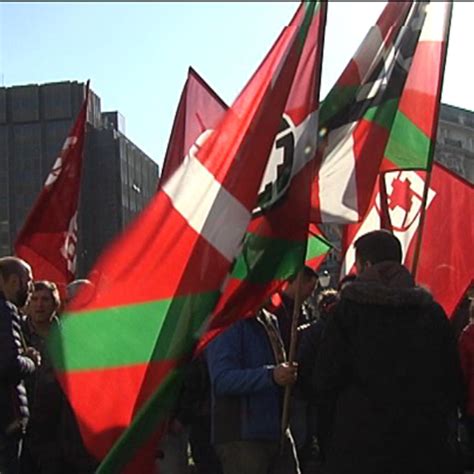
(388, 284)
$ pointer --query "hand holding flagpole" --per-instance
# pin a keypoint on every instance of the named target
(291, 356)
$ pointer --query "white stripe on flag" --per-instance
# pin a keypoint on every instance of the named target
(436, 23)
(207, 206)
(367, 51)
(337, 178)
(306, 137)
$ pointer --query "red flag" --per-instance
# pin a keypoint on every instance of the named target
(48, 239)
(199, 111)
(446, 265)
(157, 284)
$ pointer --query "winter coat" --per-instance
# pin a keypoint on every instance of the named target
(387, 379)
(466, 352)
(309, 341)
(246, 400)
(13, 368)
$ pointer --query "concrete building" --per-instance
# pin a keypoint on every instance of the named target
(118, 178)
(455, 141)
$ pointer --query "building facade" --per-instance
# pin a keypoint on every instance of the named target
(455, 141)
(118, 178)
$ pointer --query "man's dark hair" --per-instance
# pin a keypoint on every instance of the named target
(378, 246)
(51, 287)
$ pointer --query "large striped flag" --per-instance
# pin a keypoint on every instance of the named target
(446, 264)
(119, 357)
(386, 95)
(275, 244)
(48, 238)
(397, 199)
(199, 110)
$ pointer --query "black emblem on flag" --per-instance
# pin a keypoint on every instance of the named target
(277, 177)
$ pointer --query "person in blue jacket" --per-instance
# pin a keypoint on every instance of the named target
(248, 371)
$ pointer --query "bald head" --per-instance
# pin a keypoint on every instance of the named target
(16, 280)
(13, 266)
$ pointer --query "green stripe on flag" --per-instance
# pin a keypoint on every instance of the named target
(264, 259)
(317, 246)
(383, 114)
(130, 335)
(335, 101)
(408, 147)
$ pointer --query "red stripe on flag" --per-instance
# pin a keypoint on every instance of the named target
(199, 109)
(234, 306)
(180, 249)
(391, 18)
(446, 264)
(292, 210)
(420, 98)
(370, 140)
(108, 411)
(350, 76)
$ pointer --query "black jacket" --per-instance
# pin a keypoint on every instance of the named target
(309, 337)
(13, 367)
(387, 379)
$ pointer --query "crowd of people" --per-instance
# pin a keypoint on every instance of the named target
(39, 432)
(381, 383)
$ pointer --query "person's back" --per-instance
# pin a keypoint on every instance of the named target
(387, 378)
(466, 352)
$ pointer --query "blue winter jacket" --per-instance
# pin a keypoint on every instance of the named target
(246, 400)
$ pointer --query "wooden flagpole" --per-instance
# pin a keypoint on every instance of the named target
(285, 417)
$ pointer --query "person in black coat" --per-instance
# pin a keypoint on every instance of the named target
(310, 336)
(387, 376)
(16, 360)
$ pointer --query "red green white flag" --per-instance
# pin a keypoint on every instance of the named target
(382, 99)
(446, 265)
(275, 244)
(397, 200)
(119, 357)
(48, 238)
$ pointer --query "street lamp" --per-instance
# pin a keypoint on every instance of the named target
(324, 279)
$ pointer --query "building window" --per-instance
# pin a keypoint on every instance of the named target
(453, 142)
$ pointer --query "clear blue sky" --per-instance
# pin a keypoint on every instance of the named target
(137, 54)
